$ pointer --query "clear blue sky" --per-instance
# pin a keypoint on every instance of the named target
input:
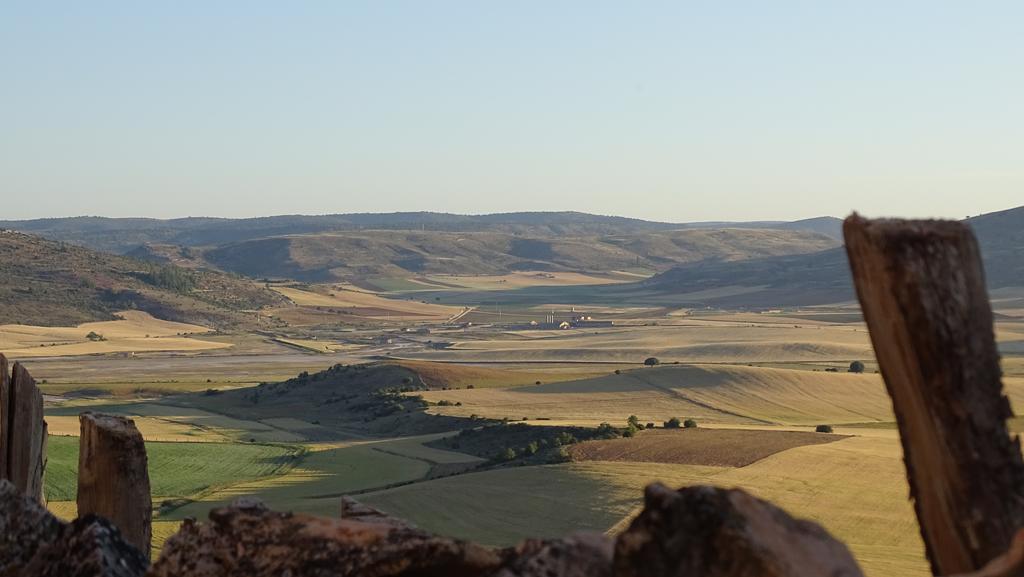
(665, 110)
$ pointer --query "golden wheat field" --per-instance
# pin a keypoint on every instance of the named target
(370, 305)
(825, 483)
(135, 331)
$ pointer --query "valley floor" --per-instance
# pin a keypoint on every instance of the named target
(756, 383)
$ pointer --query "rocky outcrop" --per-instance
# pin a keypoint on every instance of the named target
(248, 540)
(25, 526)
(90, 546)
(715, 532)
(35, 543)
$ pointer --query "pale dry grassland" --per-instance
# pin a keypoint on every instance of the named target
(525, 279)
(136, 331)
(694, 342)
(712, 393)
(376, 306)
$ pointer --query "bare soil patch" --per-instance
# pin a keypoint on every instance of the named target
(713, 447)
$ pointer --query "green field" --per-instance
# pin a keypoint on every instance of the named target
(176, 470)
(502, 507)
(316, 483)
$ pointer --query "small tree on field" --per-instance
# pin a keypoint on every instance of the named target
(856, 367)
(509, 454)
(823, 429)
(633, 421)
(652, 361)
(673, 423)
(606, 431)
(690, 424)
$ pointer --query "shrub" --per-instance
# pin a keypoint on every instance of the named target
(606, 431)
(509, 454)
(618, 371)
(95, 336)
(673, 423)
(856, 367)
(651, 361)
(823, 429)
(650, 425)
(690, 424)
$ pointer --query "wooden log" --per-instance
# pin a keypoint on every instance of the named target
(113, 479)
(26, 435)
(715, 532)
(5, 417)
(922, 290)
(1010, 564)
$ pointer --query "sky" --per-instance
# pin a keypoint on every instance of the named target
(673, 111)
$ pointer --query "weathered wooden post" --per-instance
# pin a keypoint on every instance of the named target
(22, 431)
(922, 289)
(113, 479)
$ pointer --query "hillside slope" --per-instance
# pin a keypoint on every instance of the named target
(51, 283)
(824, 277)
(353, 255)
(124, 234)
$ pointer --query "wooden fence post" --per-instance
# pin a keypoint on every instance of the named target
(5, 419)
(922, 290)
(22, 431)
(113, 479)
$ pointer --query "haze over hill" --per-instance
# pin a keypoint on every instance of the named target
(125, 234)
(824, 277)
(355, 255)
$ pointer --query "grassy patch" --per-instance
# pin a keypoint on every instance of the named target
(504, 506)
(317, 481)
(175, 469)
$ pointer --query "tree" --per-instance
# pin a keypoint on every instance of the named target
(633, 421)
(606, 431)
(651, 361)
(856, 367)
(673, 423)
(690, 424)
(823, 429)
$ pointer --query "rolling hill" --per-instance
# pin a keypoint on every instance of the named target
(125, 234)
(359, 254)
(824, 277)
(49, 283)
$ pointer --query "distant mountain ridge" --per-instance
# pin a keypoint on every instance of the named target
(355, 255)
(121, 235)
(824, 277)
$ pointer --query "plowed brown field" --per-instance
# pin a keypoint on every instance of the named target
(714, 447)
